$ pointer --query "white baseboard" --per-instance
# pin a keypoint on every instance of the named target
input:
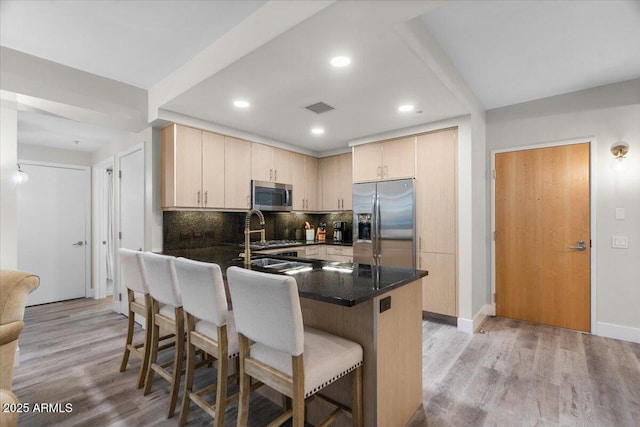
(618, 332)
(470, 326)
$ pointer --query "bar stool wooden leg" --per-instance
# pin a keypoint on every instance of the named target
(130, 325)
(245, 383)
(297, 366)
(177, 361)
(191, 366)
(147, 340)
(356, 396)
(153, 358)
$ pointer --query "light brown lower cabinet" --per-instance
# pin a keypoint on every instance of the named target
(439, 287)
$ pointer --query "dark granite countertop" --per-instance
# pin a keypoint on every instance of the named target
(344, 284)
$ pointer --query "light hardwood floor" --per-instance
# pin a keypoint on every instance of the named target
(514, 374)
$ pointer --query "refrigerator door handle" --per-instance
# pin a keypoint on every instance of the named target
(377, 245)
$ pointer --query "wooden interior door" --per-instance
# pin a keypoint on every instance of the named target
(542, 209)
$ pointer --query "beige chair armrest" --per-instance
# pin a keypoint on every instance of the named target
(10, 331)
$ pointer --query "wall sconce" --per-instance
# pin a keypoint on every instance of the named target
(21, 176)
(619, 150)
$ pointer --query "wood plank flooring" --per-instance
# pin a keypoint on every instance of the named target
(514, 374)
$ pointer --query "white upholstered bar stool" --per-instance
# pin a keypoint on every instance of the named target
(296, 361)
(168, 315)
(134, 278)
(210, 328)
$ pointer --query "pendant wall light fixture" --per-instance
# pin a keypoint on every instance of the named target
(21, 176)
(620, 150)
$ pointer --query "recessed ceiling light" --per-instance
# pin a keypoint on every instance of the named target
(241, 103)
(340, 61)
(317, 131)
(406, 107)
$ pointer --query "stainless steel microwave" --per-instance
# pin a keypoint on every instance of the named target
(271, 196)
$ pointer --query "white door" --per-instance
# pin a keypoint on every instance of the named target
(52, 239)
(131, 206)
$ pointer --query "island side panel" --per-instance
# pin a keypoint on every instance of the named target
(399, 355)
(357, 324)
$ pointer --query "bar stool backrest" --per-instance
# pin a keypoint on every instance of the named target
(163, 282)
(134, 275)
(266, 309)
(202, 288)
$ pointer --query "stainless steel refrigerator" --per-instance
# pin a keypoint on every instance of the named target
(384, 223)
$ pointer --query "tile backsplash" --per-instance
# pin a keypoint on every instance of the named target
(201, 229)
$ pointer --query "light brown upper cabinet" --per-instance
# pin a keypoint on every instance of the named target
(191, 162)
(336, 182)
(436, 192)
(304, 177)
(392, 159)
(270, 164)
(237, 174)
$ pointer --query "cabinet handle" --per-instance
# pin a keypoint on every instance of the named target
(248, 202)
(206, 197)
(198, 198)
(275, 174)
(270, 174)
(385, 171)
(379, 172)
(419, 243)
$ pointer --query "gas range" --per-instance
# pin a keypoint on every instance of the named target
(273, 244)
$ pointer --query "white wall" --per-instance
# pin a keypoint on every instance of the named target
(8, 192)
(53, 155)
(608, 114)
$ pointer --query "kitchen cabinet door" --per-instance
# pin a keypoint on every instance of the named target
(237, 173)
(346, 181)
(270, 164)
(330, 176)
(336, 176)
(298, 180)
(436, 217)
(392, 159)
(399, 158)
(311, 183)
(213, 167)
(367, 162)
(181, 164)
(282, 166)
(439, 287)
(262, 162)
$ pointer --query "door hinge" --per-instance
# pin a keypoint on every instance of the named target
(494, 297)
(120, 174)
(494, 236)
(120, 235)
(120, 296)
(494, 174)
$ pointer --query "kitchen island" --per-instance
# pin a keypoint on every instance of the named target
(378, 307)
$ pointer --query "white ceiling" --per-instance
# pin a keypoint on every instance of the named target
(137, 42)
(516, 51)
(38, 128)
(507, 51)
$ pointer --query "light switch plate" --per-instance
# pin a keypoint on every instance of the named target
(620, 213)
(620, 242)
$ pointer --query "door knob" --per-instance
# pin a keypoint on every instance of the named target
(80, 243)
(580, 247)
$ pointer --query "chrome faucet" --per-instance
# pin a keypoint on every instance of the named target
(248, 231)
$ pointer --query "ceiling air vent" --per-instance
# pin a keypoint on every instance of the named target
(319, 107)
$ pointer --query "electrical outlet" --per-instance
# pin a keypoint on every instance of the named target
(385, 304)
(620, 242)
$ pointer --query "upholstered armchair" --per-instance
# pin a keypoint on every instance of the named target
(14, 288)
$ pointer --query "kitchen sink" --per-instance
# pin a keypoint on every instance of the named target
(266, 262)
(281, 265)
